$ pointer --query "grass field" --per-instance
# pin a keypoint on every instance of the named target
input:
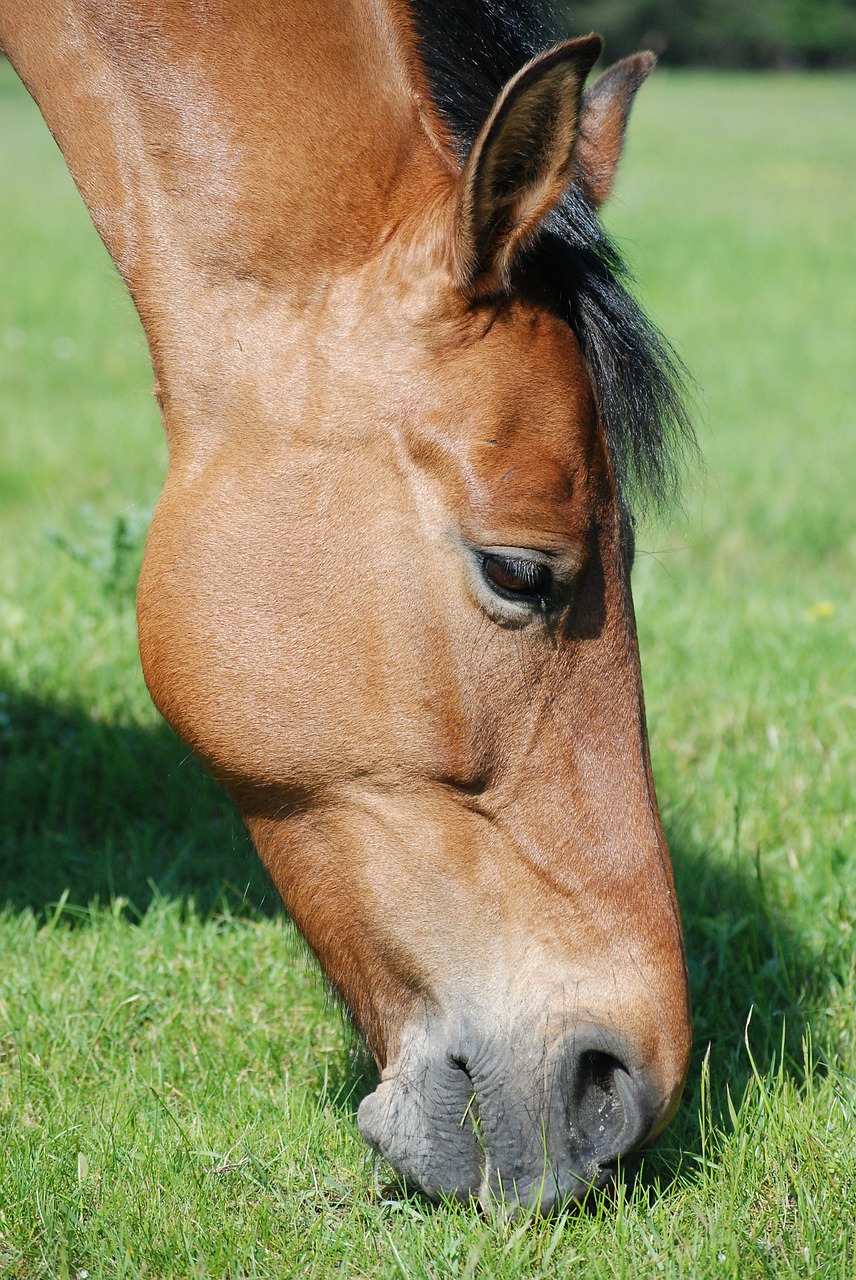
(176, 1094)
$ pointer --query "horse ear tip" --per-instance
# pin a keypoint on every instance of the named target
(630, 72)
(592, 45)
(639, 65)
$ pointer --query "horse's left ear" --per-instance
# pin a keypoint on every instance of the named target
(520, 164)
(603, 121)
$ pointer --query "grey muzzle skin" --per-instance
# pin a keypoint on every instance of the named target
(531, 1126)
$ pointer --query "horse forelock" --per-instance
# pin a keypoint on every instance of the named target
(469, 49)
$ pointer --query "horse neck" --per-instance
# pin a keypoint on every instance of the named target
(224, 142)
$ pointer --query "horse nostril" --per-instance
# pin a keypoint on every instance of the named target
(599, 1112)
(611, 1109)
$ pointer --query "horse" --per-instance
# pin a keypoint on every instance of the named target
(411, 410)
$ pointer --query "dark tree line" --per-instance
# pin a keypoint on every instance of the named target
(723, 33)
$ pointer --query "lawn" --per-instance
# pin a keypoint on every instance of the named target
(177, 1093)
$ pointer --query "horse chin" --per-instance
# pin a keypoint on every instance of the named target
(532, 1127)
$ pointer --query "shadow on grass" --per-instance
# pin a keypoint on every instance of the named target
(744, 958)
(110, 811)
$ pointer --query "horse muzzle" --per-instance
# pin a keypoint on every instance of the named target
(532, 1125)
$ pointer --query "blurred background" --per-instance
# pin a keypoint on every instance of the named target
(787, 34)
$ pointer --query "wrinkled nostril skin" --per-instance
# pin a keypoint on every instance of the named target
(529, 1127)
(419, 1119)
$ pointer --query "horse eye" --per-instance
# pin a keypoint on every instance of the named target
(518, 579)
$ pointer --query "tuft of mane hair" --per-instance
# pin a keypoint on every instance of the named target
(470, 49)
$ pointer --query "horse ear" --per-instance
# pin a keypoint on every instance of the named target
(520, 163)
(603, 121)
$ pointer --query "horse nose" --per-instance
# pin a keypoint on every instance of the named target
(513, 1121)
(611, 1105)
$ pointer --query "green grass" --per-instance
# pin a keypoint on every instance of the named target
(177, 1094)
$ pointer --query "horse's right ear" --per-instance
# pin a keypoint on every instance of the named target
(520, 164)
(603, 121)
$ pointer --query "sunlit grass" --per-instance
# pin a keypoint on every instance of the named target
(176, 1092)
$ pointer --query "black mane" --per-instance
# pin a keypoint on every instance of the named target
(470, 49)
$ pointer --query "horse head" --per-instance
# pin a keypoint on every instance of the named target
(386, 590)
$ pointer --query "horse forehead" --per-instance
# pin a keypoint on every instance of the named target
(514, 403)
(498, 391)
